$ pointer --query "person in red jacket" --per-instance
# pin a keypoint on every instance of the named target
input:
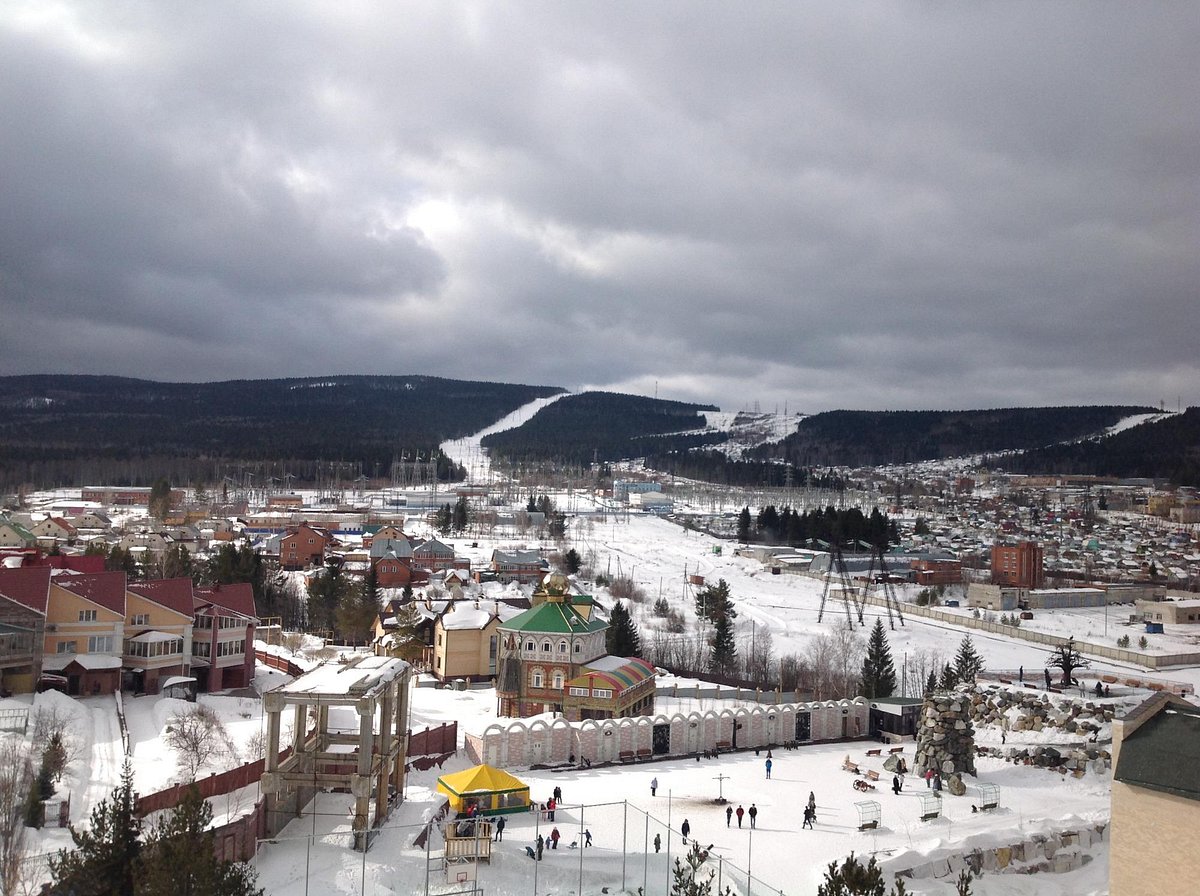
(740, 812)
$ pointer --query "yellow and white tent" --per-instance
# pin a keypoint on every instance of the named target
(493, 791)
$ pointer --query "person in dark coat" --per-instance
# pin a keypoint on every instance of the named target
(728, 815)
(657, 842)
(554, 837)
(500, 823)
(753, 813)
(1047, 671)
(810, 815)
(541, 843)
(685, 829)
(896, 784)
(740, 813)
(587, 838)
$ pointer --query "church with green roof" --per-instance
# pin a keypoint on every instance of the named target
(552, 659)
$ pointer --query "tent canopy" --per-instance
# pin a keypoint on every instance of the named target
(492, 790)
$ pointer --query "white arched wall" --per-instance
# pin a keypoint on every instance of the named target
(522, 743)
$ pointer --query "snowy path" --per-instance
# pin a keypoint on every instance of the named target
(470, 454)
(102, 770)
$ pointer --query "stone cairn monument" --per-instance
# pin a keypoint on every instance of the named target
(946, 738)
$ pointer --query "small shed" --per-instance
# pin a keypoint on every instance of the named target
(491, 790)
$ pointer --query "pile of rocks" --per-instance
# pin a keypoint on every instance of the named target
(1035, 711)
(946, 737)
(1074, 761)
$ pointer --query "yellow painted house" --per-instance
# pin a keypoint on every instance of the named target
(85, 628)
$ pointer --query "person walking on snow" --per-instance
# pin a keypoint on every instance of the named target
(587, 838)
(753, 813)
(500, 823)
(810, 816)
(550, 804)
(896, 784)
(653, 786)
(740, 813)
(768, 768)
(728, 815)
(557, 795)
(541, 842)
(657, 842)
(685, 829)
(554, 835)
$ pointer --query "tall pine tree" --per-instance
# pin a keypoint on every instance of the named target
(723, 658)
(967, 662)
(622, 638)
(878, 673)
(713, 601)
(106, 851)
(178, 857)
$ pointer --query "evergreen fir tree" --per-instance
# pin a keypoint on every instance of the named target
(948, 679)
(106, 850)
(743, 526)
(853, 878)
(358, 610)
(931, 683)
(878, 673)
(178, 857)
(713, 601)
(406, 636)
(967, 663)
(687, 878)
(622, 638)
(461, 517)
(572, 562)
(723, 659)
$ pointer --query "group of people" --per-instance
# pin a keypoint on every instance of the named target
(741, 813)
(555, 836)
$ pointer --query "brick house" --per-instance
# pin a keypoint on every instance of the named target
(223, 626)
(1017, 565)
(303, 546)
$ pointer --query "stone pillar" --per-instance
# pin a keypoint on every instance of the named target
(946, 737)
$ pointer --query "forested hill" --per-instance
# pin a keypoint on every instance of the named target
(872, 438)
(1168, 448)
(67, 429)
(604, 426)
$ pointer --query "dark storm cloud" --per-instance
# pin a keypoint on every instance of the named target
(828, 205)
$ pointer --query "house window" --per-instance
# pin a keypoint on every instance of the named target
(140, 619)
(87, 615)
(606, 693)
(578, 647)
(66, 647)
(558, 681)
(562, 646)
(537, 679)
(579, 692)
(546, 647)
(201, 648)
(100, 644)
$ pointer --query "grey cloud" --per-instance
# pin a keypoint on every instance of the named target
(828, 205)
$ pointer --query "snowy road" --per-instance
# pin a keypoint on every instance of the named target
(101, 771)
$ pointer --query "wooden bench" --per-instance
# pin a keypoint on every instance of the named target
(895, 750)
(851, 767)
(626, 756)
(872, 774)
(724, 746)
(1006, 681)
(643, 753)
(875, 752)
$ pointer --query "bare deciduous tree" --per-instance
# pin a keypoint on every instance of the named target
(197, 736)
(16, 776)
(757, 650)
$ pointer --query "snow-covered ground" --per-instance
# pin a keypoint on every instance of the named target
(312, 853)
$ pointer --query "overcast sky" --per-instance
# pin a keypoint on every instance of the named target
(800, 205)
